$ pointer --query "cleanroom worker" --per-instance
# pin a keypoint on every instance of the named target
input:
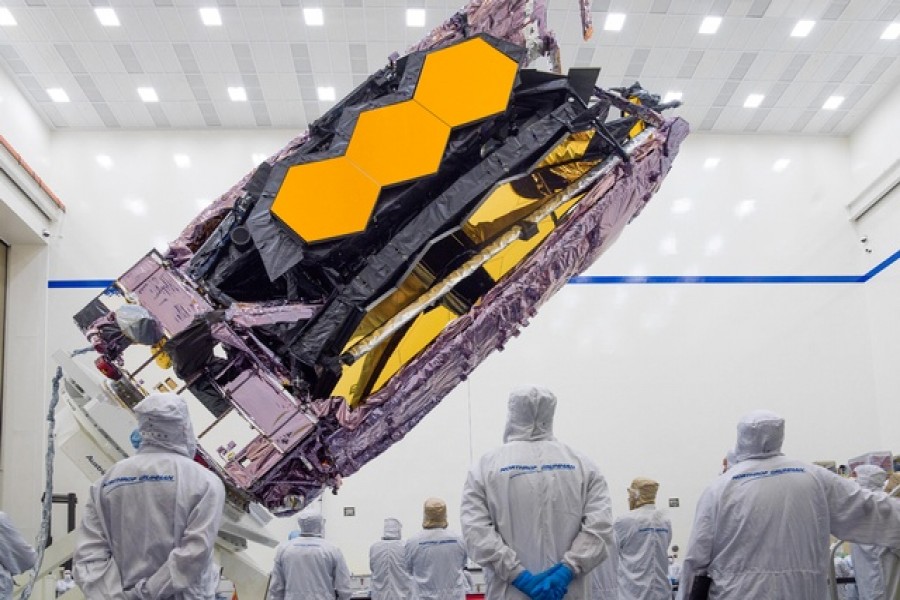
(309, 567)
(436, 557)
(892, 486)
(877, 568)
(843, 567)
(761, 530)
(643, 537)
(65, 584)
(536, 514)
(390, 580)
(150, 523)
(16, 555)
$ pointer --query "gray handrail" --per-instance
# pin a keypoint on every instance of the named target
(832, 579)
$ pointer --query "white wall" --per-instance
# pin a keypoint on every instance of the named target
(25, 357)
(22, 127)
(874, 150)
(651, 378)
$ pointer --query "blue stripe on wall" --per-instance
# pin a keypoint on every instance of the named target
(621, 279)
(883, 265)
(79, 283)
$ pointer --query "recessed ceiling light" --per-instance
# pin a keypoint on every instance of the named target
(314, 17)
(326, 94)
(107, 16)
(148, 94)
(614, 22)
(211, 17)
(182, 161)
(754, 100)
(237, 94)
(202, 203)
(891, 32)
(802, 28)
(711, 163)
(58, 94)
(781, 164)
(744, 208)
(672, 97)
(681, 206)
(8, 20)
(415, 17)
(105, 161)
(258, 158)
(710, 25)
(833, 102)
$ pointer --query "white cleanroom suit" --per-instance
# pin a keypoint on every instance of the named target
(309, 567)
(843, 567)
(876, 567)
(390, 580)
(16, 555)
(761, 530)
(150, 523)
(535, 502)
(605, 578)
(643, 537)
(436, 557)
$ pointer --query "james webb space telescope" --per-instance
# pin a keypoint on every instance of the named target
(320, 309)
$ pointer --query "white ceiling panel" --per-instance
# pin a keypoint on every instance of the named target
(83, 26)
(265, 46)
(355, 26)
(147, 24)
(376, 29)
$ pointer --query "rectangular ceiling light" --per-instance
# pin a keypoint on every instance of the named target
(833, 102)
(891, 32)
(614, 22)
(711, 163)
(326, 94)
(8, 20)
(754, 100)
(58, 94)
(802, 28)
(211, 17)
(148, 94)
(672, 97)
(237, 94)
(107, 16)
(314, 17)
(710, 25)
(182, 161)
(415, 17)
(105, 161)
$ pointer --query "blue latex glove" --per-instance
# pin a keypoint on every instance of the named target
(527, 583)
(555, 584)
(136, 439)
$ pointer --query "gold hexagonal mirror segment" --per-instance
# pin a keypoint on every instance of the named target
(398, 142)
(326, 199)
(466, 82)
